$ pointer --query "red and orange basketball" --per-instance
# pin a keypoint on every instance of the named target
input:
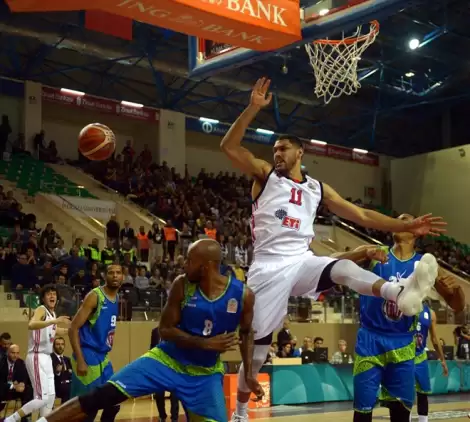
(96, 142)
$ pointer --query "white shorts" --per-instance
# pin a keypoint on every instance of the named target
(274, 280)
(41, 374)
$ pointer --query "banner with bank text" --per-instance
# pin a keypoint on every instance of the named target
(101, 105)
(256, 24)
(79, 207)
(251, 135)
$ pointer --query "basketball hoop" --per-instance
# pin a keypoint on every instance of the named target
(334, 62)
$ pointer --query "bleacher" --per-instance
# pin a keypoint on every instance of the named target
(35, 176)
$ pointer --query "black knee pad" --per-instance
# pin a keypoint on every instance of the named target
(423, 404)
(265, 341)
(106, 395)
(398, 412)
(109, 413)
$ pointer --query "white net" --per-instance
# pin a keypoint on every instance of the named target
(334, 62)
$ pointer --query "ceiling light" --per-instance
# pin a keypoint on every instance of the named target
(315, 141)
(360, 151)
(72, 92)
(409, 74)
(265, 131)
(323, 12)
(205, 119)
(131, 104)
(413, 43)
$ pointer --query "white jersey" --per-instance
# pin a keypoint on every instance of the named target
(41, 341)
(283, 216)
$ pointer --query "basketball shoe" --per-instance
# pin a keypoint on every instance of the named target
(415, 288)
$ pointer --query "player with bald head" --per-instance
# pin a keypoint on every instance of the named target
(199, 322)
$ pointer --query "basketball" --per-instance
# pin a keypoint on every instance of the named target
(96, 142)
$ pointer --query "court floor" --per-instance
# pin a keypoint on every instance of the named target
(450, 407)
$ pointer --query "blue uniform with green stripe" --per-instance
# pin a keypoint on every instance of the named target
(385, 347)
(96, 341)
(423, 380)
(194, 376)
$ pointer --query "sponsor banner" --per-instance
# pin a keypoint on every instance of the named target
(101, 105)
(258, 25)
(332, 151)
(95, 208)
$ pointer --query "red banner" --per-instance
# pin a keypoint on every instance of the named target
(259, 25)
(102, 105)
(114, 25)
(342, 153)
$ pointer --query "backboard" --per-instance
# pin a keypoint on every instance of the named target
(324, 18)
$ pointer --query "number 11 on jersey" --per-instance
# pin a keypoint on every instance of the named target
(296, 196)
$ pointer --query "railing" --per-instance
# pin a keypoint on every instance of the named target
(121, 198)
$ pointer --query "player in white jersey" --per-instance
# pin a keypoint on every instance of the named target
(285, 203)
(42, 331)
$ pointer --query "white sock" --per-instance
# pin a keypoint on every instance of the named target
(422, 418)
(42, 419)
(13, 418)
(241, 409)
(390, 291)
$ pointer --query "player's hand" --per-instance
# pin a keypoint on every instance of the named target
(445, 370)
(426, 224)
(447, 282)
(82, 368)
(63, 320)
(255, 388)
(222, 342)
(376, 253)
(259, 95)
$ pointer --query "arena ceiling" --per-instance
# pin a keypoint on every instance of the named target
(392, 114)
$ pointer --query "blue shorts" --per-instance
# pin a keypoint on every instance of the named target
(99, 372)
(423, 379)
(202, 396)
(383, 364)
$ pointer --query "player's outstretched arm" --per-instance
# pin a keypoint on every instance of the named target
(363, 254)
(241, 158)
(452, 293)
(38, 320)
(421, 226)
(87, 308)
(436, 343)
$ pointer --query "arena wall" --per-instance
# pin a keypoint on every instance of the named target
(133, 338)
(435, 183)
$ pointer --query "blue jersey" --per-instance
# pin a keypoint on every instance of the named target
(98, 332)
(382, 315)
(203, 317)
(422, 330)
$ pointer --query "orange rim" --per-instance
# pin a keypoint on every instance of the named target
(375, 26)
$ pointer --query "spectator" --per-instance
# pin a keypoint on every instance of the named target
(80, 279)
(295, 353)
(341, 356)
(128, 280)
(155, 235)
(141, 281)
(127, 233)
(92, 252)
(286, 351)
(45, 273)
(128, 154)
(23, 275)
(210, 231)
(14, 380)
(78, 244)
(5, 131)
(59, 252)
(112, 232)
(128, 253)
(48, 240)
(241, 254)
(62, 370)
(284, 335)
(156, 279)
(307, 345)
(273, 350)
(109, 254)
(95, 272)
(170, 237)
(76, 262)
(5, 343)
(317, 342)
(143, 245)
(186, 238)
